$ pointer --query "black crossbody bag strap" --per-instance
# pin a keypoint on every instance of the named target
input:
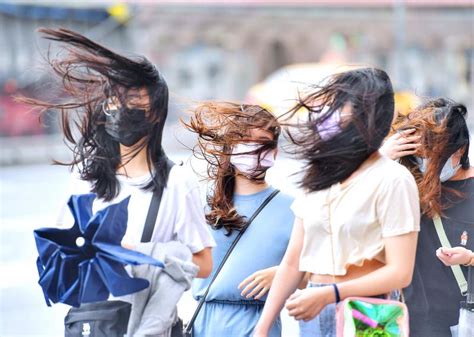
(153, 209)
(189, 326)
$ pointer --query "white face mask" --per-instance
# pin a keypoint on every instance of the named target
(247, 162)
(447, 172)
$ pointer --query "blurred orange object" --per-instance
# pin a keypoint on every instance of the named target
(405, 102)
(279, 92)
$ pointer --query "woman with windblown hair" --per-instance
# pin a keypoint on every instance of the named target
(119, 106)
(356, 225)
(445, 181)
(239, 143)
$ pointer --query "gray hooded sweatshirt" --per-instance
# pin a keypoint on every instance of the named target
(154, 309)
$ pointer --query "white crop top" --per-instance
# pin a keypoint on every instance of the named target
(347, 223)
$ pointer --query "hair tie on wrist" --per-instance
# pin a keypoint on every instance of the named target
(336, 291)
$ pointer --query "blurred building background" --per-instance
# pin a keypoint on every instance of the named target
(226, 50)
(219, 49)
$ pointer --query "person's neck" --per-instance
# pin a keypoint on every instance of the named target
(245, 186)
(369, 161)
(133, 165)
(463, 174)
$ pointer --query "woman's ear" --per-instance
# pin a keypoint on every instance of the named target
(461, 151)
(458, 154)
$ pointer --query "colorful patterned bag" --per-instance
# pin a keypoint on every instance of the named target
(371, 317)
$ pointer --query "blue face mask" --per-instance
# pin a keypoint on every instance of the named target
(447, 172)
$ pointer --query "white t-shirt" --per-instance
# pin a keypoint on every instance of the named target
(180, 217)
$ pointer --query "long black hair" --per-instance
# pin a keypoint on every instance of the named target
(369, 94)
(90, 74)
(453, 114)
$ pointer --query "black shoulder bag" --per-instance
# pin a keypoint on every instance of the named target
(110, 318)
(188, 331)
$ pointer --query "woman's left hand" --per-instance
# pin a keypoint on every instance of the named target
(454, 256)
(401, 144)
(307, 303)
(258, 283)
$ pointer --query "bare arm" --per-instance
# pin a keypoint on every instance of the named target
(396, 274)
(286, 280)
(203, 259)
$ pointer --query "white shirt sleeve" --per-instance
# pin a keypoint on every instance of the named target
(191, 227)
(398, 206)
(76, 186)
(298, 207)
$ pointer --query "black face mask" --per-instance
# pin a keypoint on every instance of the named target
(127, 126)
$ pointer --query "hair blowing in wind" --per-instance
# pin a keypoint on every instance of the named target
(220, 126)
(89, 74)
(369, 95)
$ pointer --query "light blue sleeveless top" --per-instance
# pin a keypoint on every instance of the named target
(261, 246)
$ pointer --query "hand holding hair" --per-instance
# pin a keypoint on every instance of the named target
(400, 144)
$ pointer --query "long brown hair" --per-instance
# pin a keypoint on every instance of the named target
(88, 75)
(442, 126)
(219, 127)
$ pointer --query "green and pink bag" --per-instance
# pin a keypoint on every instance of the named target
(371, 317)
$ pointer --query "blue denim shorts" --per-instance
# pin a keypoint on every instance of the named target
(323, 325)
